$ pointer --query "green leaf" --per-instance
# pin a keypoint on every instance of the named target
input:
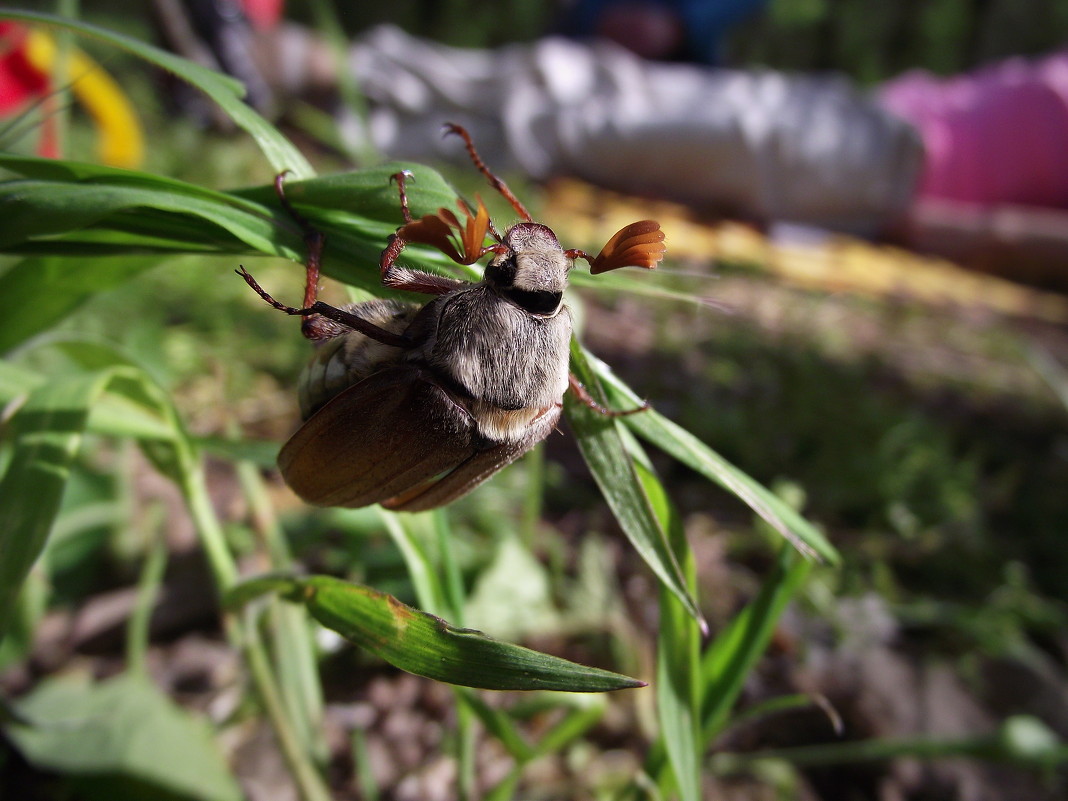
(613, 470)
(427, 645)
(512, 595)
(78, 210)
(738, 647)
(684, 446)
(46, 432)
(39, 292)
(578, 720)
(37, 210)
(262, 453)
(225, 91)
(367, 193)
(121, 739)
(16, 380)
(422, 572)
(499, 725)
(678, 647)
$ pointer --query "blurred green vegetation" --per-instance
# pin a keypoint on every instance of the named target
(875, 41)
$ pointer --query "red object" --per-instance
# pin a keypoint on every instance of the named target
(20, 81)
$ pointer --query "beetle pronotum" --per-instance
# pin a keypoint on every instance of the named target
(414, 406)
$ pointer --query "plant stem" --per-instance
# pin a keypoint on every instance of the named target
(291, 643)
(244, 635)
(137, 629)
(311, 784)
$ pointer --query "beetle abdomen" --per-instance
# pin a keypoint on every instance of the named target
(349, 357)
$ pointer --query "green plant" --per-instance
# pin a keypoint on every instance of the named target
(69, 222)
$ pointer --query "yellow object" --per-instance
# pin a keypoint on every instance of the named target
(834, 263)
(120, 142)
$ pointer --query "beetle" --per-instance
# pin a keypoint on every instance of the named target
(413, 406)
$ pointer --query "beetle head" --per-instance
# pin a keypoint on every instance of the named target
(530, 268)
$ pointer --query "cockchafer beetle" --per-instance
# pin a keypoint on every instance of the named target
(414, 406)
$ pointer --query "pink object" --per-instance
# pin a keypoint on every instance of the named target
(263, 14)
(998, 135)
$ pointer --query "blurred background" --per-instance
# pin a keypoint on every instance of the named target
(873, 199)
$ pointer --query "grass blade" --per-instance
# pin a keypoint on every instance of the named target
(38, 292)
(46, 433)
(613, 470)
(677, 658)
(36, 210)
(426, 645)
(74, 209)
(684, 446)
(736, 650)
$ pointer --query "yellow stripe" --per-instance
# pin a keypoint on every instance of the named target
(120, 141)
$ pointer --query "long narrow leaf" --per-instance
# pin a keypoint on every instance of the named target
(35, 210)
(613, 470)
(39, 292)
(367, 193)
(738, 647)
(498, 724)
(678, 647)
(684, 446)
(426, 645)
(74, 209)
(46, 433)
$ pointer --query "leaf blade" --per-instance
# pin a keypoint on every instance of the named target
(731, 657)
(426, 645)
(112, 734)
(686, 448)
(678, 661)
(613, 470)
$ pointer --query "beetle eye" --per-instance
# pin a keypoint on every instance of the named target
(502, 273)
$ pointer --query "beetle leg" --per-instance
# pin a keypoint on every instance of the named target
(311, 326)
(397, 277)
(403, 277)
(480, 165)
(401, 178)
(585, 397)
(345, 318)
